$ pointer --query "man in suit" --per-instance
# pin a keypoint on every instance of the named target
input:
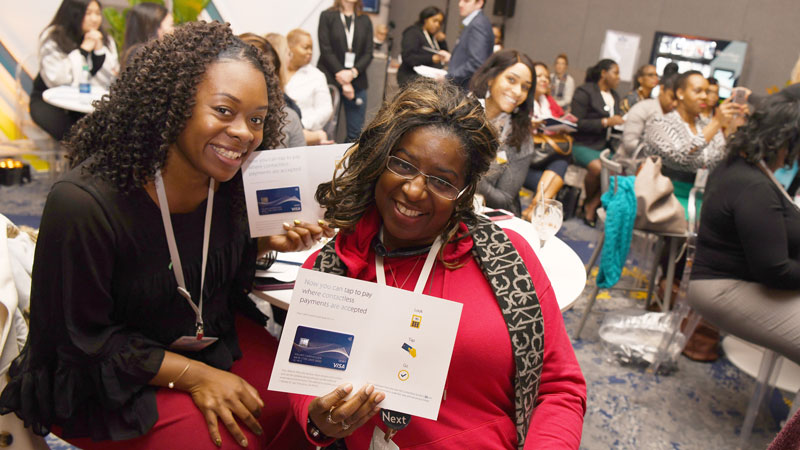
(475, 44)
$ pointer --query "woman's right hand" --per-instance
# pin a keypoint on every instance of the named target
(338, 418)
(221, 395)
(727, 111)
(92, 40)
(348, 92)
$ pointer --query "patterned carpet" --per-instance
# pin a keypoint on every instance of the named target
(701, 406)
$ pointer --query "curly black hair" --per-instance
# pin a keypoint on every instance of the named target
(131, 129)
(775, 125)
(422, 103)
(493, 68)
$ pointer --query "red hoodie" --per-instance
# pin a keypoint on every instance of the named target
(478, 411)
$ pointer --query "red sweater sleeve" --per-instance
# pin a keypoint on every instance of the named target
(557, 420)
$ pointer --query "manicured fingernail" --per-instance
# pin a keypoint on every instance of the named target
(259, 431)
(244, 442)
(218, 441)
(347, 387)
(286, 225)
(321, 222)
(297, 222)
(369, 389)
(379, 398)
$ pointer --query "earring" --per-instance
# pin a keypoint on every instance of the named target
(516, 110)
(488, 94)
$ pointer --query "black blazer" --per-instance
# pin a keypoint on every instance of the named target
(590, 109)
(333, 45)
(413, 54)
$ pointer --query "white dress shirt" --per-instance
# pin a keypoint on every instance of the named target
(309, 89)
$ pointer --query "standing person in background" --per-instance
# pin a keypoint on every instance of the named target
(713, 99)
(420, 40)
(145, 21)
(308, 87)
(505, 83)
(642, 112)
(596, 105)
(474, 45)
(644, 82)
(497, 30)
(74, 39)
(562, 84)
(345, 44)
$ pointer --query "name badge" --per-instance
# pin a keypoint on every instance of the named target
(192, 343)
(379, 443)
(349, 60)
(502, 158)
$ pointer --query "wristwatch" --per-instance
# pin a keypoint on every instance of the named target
(315, 432)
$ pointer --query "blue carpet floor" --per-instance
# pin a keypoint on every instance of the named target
(701, 406)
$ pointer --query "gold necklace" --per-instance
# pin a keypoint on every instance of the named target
(391, 272)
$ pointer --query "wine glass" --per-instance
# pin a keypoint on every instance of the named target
(548, 214)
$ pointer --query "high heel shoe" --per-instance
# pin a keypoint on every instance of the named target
(590, 222)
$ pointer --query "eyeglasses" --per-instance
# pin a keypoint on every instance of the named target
(436, 185)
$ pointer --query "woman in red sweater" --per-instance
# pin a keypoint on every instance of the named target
(406, 186)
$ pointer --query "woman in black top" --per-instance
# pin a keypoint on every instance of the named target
(345, 46)
(106, 312)
(423, 45)
(597, 107)
(746, 275)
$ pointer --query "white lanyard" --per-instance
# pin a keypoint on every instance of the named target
(349, 33)
(777, 183)
(173, 248)
(432, 42)
(426, 268)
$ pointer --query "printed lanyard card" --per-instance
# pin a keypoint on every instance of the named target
(349, 60)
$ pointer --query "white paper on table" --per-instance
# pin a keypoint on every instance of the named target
(301, 169)
(380, 320)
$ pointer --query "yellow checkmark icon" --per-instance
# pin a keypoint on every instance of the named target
(402, 375)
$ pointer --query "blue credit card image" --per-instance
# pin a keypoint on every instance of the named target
(321, 348)
(278, 200)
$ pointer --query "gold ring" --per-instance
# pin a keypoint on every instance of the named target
(344, 424)
(329, 419)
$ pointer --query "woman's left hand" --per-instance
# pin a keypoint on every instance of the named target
(337, 417)
(445, 55)
(299, 236)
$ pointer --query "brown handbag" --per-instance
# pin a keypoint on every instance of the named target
(559, 143)
(657, 208)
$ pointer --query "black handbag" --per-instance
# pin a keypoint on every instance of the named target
(569, 196)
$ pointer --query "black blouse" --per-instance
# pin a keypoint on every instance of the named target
(105, 306)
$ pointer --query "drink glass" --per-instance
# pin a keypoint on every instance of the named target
(548, 214)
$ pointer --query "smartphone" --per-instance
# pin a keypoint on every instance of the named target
(739, 96)
(498, 214)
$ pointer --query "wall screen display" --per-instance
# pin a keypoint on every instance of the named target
(712, 57)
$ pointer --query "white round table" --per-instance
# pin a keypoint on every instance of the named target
(562, 265)
(69, 97)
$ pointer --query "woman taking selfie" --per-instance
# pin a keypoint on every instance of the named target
(404, 194)
(135, 340)
(504, 81)
(73, 39)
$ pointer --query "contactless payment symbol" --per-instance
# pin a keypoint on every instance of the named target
(411, 350)
(403, 375)
(416, 321)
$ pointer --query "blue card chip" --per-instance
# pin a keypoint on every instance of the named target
(278, 200)
(321, 348)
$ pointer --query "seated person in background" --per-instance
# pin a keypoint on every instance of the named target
(408, 188)
(746, 275)
(144, 21)
(423, 45)
(308, 87)
(104, 360)
(562, 84)
(713, 99)
(546, 172)
(292, 129)
(505, 81)
(74, 38)
(643, 111)
(645, 80)
(684, 141)
(596, 105)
